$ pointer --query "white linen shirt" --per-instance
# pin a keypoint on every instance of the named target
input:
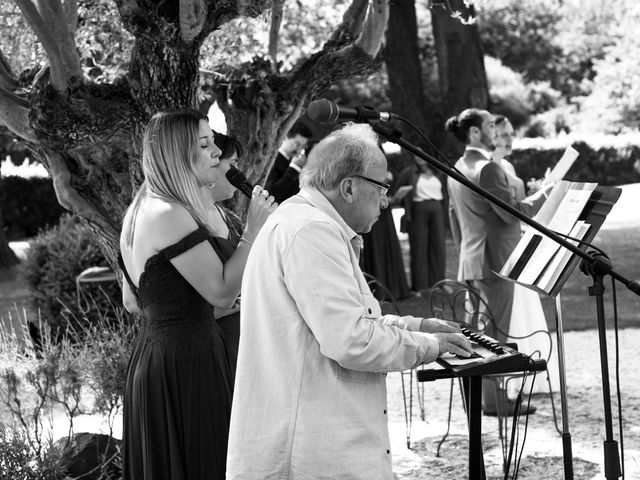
(310, 392)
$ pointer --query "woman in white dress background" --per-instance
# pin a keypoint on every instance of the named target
(527, 315)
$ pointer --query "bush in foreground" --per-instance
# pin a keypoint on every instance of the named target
(81, 373)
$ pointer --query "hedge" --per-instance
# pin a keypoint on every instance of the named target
(608, 161)
(28, 205)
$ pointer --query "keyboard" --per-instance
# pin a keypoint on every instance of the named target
(489, 357)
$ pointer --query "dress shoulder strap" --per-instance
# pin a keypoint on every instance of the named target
(134, 289)
(191, 240)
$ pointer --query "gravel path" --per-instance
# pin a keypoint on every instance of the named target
(542, 454)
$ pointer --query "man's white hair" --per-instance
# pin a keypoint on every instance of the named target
(343, 153)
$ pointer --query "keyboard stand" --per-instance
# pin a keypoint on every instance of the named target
(472, 387)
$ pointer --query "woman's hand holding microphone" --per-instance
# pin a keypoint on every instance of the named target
(261, 206)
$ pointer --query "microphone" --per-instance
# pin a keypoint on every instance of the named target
(238, 180)
(325, 111)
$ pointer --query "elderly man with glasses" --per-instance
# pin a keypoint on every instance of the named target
(310, 395)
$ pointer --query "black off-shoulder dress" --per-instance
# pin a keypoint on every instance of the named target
(177, 401)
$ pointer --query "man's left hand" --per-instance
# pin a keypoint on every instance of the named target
(435, 325)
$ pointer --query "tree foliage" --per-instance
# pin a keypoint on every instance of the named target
(614, 104)
(522, 35)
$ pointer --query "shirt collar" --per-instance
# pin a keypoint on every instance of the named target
(316, 198)
(282, 152)
(483, 151)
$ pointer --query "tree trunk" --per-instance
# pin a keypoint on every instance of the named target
(402, 58)
(164, 76)
(462, 77)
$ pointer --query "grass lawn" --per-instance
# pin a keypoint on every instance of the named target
(578, 309)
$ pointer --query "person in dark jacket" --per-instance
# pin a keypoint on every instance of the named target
(282, 181)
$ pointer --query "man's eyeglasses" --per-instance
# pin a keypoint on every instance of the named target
(384, 187)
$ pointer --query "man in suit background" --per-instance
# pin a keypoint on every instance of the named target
(282, 181)
(485, 233)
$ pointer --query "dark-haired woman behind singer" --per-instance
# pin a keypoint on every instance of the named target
(228, 318)
(180, 263)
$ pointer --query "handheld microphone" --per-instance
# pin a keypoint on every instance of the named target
(238, 180)
(325, 111)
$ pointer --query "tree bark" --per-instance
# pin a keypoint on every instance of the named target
(163, 75)
(462, 77)
(404, 71)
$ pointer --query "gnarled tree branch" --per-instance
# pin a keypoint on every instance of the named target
(57, 18)
(56, 62)
(14, 114)
(352, 50)
(69, 197)
(193, 14)
(70, 8)
(372, 35)
(274, 32)
(352, 21)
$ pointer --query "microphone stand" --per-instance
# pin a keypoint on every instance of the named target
(594, 265)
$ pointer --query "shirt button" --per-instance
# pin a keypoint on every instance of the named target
(388, 451)
(369, 310)
(385, 412)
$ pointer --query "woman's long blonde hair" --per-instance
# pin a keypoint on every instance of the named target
(169, 154)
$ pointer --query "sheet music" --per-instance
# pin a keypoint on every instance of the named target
(564, 164)
(560, 259)
(533, 255)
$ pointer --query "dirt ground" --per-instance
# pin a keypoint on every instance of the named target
(542, 453)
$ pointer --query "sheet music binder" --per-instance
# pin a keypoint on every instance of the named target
(529, 254)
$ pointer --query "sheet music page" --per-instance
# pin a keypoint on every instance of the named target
(562, 222)
(561, 258)
(544, 216)
(559, 213)
(564, 164)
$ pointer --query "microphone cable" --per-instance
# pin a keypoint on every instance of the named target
(515, 451)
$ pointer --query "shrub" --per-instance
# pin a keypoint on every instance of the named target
(516, 99)
(18, 463)
(83, 373)
(107, 357)
(28, 205)
(508, 91)
(54, 259)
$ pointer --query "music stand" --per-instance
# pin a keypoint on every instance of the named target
(593, 213)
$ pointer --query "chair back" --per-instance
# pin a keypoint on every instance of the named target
(460, 303)
(388, 303)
